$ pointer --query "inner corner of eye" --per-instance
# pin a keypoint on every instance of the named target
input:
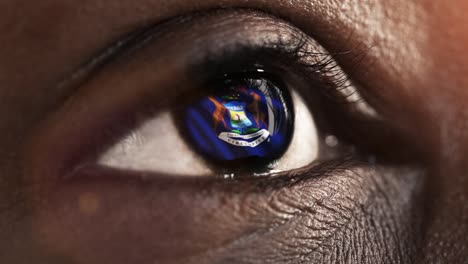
(155, 146)
(246, 123)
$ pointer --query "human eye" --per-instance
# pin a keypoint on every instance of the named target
(245, 123)
(264, 101)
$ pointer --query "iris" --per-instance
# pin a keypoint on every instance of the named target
(241, 120)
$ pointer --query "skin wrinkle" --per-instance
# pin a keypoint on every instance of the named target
(257, 201)
(355, 255)
(348, 221)
(319, 236)
(301, 214)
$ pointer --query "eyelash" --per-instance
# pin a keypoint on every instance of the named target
(325, 79)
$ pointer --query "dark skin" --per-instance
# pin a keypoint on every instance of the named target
(394, 212)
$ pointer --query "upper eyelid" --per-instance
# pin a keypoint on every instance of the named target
(119, 49)
(266, 32)
(132, 41)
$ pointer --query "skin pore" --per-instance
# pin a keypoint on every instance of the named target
(413, 73)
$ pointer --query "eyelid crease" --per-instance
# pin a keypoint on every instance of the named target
(98, 61)
(142, 35)
(300, 49)
(132, 41)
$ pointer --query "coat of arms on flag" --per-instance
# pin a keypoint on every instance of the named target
(244, 132)
(239, 120)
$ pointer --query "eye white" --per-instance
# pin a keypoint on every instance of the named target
(304, 146)
(156, 146)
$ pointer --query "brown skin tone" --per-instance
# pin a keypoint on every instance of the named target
(383, 214)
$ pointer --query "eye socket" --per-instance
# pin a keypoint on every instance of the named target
(243, 124)
(208, 132)
(124, 115)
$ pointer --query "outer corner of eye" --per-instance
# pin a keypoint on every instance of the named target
(304, 146)
(241, 123)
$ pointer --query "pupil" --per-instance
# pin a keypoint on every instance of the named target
(247, 122)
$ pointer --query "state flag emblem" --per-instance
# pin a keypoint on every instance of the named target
(239, 120)
(243, 133)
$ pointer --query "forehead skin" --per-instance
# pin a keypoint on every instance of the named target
(419, 76)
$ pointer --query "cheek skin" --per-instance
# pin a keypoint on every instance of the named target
(95, 221)
(447, 97)
(392, 69)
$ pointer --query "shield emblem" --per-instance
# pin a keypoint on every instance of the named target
(238, 118)
(243, 132)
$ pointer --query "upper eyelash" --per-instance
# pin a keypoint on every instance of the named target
(327, 66)
(335, 83)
